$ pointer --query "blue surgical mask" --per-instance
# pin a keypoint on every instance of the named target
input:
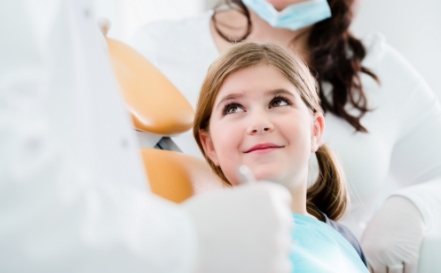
(293, 17)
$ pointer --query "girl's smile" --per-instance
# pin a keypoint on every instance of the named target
(263, 148)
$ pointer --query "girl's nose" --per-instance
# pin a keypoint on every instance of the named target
(260, 123)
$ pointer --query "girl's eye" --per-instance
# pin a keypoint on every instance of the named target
(279, 101)
(232, 108)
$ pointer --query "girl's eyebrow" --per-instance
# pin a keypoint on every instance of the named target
(231, 96)
(279, 91)
(234, 96)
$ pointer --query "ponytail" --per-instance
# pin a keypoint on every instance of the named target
(328, 194)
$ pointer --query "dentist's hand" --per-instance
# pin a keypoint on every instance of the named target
(245, 229)
(393, 237)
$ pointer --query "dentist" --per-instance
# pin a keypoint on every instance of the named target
(73, 195)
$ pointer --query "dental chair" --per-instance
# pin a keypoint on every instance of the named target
(159, 111)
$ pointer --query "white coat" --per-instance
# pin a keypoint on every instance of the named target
(73, 193)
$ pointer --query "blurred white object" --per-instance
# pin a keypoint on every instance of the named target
(245, 175)
(393, 238)
(230, 218)
(73, 194)
(128, 15)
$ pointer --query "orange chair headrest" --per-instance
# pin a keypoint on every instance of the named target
(155, 104)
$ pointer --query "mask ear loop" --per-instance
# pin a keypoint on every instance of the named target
(248, 32)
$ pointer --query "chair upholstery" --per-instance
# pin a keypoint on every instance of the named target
(159, 109)
(176, 176)
(155, 104)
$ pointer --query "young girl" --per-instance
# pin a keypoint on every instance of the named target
(259, 107)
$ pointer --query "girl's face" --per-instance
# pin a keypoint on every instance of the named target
(259, 120)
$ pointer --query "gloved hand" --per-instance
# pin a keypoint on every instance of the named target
(393, 237)
(245, 229)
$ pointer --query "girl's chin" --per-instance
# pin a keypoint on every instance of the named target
(260, 174)
(274, 178)
(267, 177)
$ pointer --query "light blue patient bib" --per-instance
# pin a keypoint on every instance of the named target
(317, 247)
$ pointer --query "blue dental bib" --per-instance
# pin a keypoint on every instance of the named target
(317, 247)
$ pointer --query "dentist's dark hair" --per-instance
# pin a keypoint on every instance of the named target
(335, 58)
(328, 194)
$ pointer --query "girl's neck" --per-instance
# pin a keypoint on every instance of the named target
(228, 22)
(298, 195)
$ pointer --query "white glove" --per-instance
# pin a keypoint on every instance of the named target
(245, 229)
(393, 237)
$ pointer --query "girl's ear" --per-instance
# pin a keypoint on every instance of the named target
(208, 146)
(318, 127)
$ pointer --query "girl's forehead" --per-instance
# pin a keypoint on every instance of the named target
(254, 79)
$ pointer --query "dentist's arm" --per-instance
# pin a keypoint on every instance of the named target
(72, 191)
(392, 239)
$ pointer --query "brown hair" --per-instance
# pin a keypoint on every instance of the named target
(335, 57)
(328, 194)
